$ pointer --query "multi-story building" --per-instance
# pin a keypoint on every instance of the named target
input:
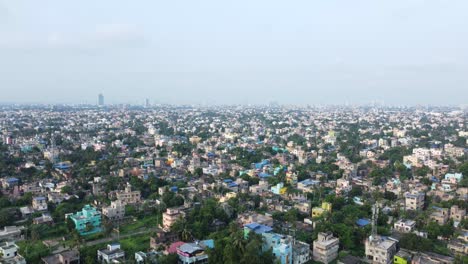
(11, 233)
(194, 253)
(279, 189)
(457, 214)
(325, 247)
(414, 201)
(39, 203)
(440, 215)
(301, 252)
(458, 247)
(128, 196)
(171, 216)
(252, 217)
(380, 250)
(65, 257)
(318, 211)
(116, 210)
(404, 226)
(110, 254)
(343, 186)
(87, 221)
(280, 245)
(261, 187)
(9, 254)
(308, 185)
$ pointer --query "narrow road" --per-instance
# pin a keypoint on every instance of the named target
(108, 239)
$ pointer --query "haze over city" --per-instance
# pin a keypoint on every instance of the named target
(402, 52)
(224, 132)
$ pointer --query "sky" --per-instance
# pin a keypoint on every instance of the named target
(397, 52)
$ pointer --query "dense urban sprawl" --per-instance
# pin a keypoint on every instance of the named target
(233, 184)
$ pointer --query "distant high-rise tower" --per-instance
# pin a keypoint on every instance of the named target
(100, 99)
(147, 103)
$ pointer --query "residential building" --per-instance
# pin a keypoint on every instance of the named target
(191, 253)
(9, 254)
(301, 252)
(171, 216)
(87, 221)
(402, 257)
(279, 189)
(11, 233)
(457, 214)
(458, 247)
(39, 203)
(404, 226)
(308, 185)
(318, 211)
(380, 250)
(440, 215)
(252, 217)
(343, 186)
(325, 247)
(431, 258)
(43, 219)
(116, 210)
(414, 201)
(128, 196)
(65, 257)
(146, 257)
(111, 254)
(281, 246)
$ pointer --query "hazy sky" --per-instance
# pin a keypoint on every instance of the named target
(239, 51)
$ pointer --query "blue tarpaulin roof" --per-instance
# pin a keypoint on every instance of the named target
(258, 228)
(362, 222)
(264, 175)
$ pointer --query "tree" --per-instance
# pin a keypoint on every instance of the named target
(414, 242)
(181, 228)
(8, 216)
(168, 259)
(67, 189)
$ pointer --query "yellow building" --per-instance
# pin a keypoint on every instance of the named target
(227, 196)
(318, 211)
(402, 257)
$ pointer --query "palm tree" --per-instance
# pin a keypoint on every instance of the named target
(238, 242)
(77, 240)
(183, 230)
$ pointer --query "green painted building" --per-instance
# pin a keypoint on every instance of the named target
(87, 221)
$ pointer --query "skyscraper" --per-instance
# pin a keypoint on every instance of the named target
(100, 99)
(147, 103)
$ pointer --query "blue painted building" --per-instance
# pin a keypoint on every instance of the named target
(281, 245)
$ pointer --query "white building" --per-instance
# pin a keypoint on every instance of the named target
(326, 247)
(380, 250)
(115, 211)
(110, 254)
(9, 254)
(404, 226)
